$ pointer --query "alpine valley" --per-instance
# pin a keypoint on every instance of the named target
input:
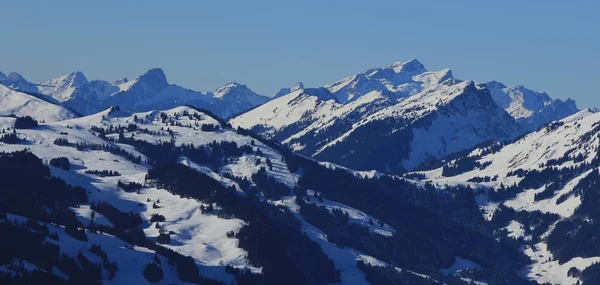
(397, 175)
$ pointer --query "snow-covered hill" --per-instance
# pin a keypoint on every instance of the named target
(530, 108)
(20, 104)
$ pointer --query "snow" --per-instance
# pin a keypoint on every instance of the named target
(459, 264)
(355, 216)
(516, 230)
(84, 215)
(570, 135)
(546, 270)
(131, 260)
(530, 107)
(21, 104)
(63, 87)
(344, 259)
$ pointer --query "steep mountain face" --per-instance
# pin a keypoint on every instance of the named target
(543, 191)
(429, 125)
(63, 87)
(393, 118)
(20, 104)
(150, 91)
(307, 119)
(530, 108)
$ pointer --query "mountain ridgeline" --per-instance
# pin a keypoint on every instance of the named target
(396, 118)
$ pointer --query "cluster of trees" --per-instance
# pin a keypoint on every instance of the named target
(28, 190)
(268, 185)
(462, 165)
(213, 153)
(103, 147)
(130, 186)
(117, 217)
(11, 138)
(209, 127)
(111, 267)
(103, 173)
(340, 231)
(26, 122)
(61, 162)
(153, 272)
(590, 275)
(19, 242)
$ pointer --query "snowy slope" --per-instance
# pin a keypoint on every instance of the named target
(444, 119)
(530, 108)
(569, 146)
(63, 87)
(20, 104)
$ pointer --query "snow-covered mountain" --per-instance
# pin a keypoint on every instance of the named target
(63, 87)
(146, 191)
(150, 91)
(530, 108)
(404, 116)
(20, 104)
(400, 79)
(16, 81)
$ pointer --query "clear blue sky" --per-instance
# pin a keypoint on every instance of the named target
(549, 46)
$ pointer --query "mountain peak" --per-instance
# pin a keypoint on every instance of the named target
(297, 86)
(156, 76)
(120, 81)
(320, 92)
(13, 77)
(230, 87)
(62, 83)
(412, 65)
(493, 85)
(284, 91)
(77, 78)
(2, 76)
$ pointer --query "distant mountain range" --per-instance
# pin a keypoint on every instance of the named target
(150, 91)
